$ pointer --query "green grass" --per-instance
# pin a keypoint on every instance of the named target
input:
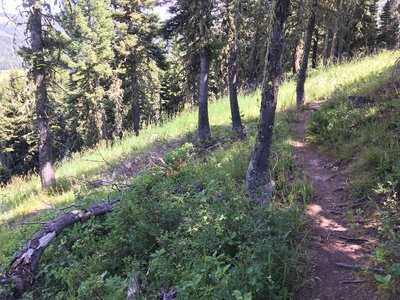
(191, 217)
(23, 195)
(367, 140)
(105, 252)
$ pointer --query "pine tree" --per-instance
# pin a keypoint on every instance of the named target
(173, 82)
(18, 134)
(35, 57)
(89, 31)
(231, 28)
(258, 179)
(140, 59)
(304, 64)
(390, 24)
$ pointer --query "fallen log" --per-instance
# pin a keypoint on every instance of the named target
(23, 269)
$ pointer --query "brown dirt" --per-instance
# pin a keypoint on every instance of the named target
(330, 223)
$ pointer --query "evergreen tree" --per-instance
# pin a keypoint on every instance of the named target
(363, 30)
(231, 27)
(258, 179)
(140, 59)
(35, 56)
(390, 24)
(304, 64)
(18, 134)
(173, 82)
(89, 31)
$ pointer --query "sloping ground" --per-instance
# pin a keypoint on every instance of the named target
(186, 223)
(22, 196)
(337, 245)
(364, 141)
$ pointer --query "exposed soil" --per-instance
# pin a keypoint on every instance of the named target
(337, 233)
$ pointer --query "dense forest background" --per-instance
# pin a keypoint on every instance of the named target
(114, 68)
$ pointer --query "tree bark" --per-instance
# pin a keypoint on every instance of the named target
(258, 179)
(204, 130)
(135, 104)
(204, 125)
(46, 162)
(325, 53)
(334, 41)
(23, 269)
(237, 126)
(298, 52)
(315, 50)
(301, 79)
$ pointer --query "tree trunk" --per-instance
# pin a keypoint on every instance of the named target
(46, 162)
(23, 269)
(204, 125)
(233, 76)
(105, 125)
(340, 47)
(325, 53)
(298, 52)
(304, 64)
(204, 130)
(334, 42)
(315, 50)
(135, 104)
(258, 179)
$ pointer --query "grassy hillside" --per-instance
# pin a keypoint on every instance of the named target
(188, 215)
(366, 140)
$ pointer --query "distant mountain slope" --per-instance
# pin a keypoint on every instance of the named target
(10, 36)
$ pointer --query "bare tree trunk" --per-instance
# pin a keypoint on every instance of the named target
(46, 162)
(325, 53)
(204, 131)
(105, 125)
(315, 50)
(298, 52)
(204, 125)
(258, 180)
(135, 104)
(334, 42)
(340, 46)
(304, 64)
(233, 77)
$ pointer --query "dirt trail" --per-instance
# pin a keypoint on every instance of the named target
(336, 237)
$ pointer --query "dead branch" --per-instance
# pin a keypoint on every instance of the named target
(335, 212)
(168, 294)
(24, 267)
(357, 203)
(353, 281)
(32, 223)
(134, 288)
(353, 240)
(359, 268)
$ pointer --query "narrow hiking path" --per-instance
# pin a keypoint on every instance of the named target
(335, 237)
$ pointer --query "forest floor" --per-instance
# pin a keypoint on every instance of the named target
(335, 235)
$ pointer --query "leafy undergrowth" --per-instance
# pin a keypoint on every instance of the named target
(188, 225)
(23, 196)
(368, 138)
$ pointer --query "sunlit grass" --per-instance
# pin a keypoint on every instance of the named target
(23, 195)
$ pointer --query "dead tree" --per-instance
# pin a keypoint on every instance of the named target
(23, 269)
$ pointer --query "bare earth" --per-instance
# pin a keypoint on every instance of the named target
(337, 236)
